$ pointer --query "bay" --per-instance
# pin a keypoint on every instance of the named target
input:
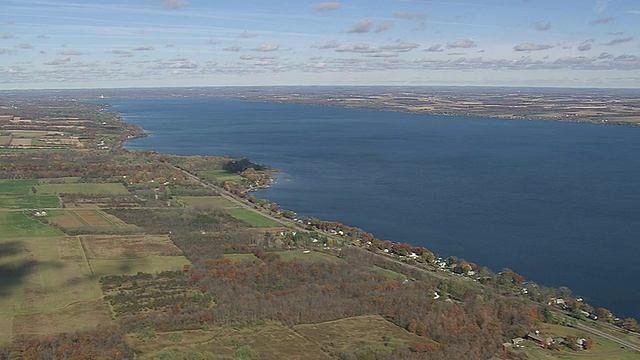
(556, 202)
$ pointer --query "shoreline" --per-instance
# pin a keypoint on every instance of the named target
(248, 202)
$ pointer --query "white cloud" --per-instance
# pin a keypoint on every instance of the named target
(617, 41)
(362, 26)
(461, 44)
(175, 4)
(144, 48)
(232, 48)
(541, 25)
(435, 48)
(531, 47)
(25, 46)
(58, 61)
(383, 27)
(266, 47)
(410, 16)
(327, 6)
(603, 20)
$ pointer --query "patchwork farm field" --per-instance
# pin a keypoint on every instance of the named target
(29, 201)
(73, 219)
(15, 224)
(82, 188)
(130, 254)
(50, 284)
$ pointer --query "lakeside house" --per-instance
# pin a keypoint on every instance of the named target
(542, 341)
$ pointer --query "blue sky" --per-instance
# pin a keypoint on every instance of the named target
(142, 43)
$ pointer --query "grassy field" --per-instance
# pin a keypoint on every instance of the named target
(251, 218)
(358, 332)
(213, 201)
(82, 188)
(29, 202)
(17, 187)
(220, 175)
(43, 279)
(49, 284)
(15, 224)
(130, 254)
(149, 264)
(270, 341)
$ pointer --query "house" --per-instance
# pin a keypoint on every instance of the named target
(540, 340)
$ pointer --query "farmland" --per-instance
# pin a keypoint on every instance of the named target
(70, 219)
(82, 188)
(251, 218)
(15, 224)
(17, 187)
(29, 202)
(213, 201)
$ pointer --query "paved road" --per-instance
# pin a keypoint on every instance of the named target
(609, 336)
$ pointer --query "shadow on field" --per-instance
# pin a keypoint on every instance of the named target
(13, 273)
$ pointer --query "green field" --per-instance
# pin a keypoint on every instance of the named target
(40, 276)
(29, 202)
(82, 188)
(251, 218)
(150, 264)
(239, 257)
(213, 201)
(17, 187)
(15, 224)
(219, 176)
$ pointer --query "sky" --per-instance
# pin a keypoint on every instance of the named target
(49, 44)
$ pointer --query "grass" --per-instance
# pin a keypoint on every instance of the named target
(82, 188)
(149, 264)
(269, 340)
(251, 218)
(358, 332)
(15, 224)
(219, 175)
(29, 201)
(17, 187)
(44, 286)
(213, 201)
(65, 180)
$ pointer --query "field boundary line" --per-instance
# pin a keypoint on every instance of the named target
(80, 218)
(85, 256)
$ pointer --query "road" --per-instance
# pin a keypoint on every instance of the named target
(608, 336)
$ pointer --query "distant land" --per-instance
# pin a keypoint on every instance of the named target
(607, 106)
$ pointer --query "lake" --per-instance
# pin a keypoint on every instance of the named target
(557, 202)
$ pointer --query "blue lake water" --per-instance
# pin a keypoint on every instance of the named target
(556, 202)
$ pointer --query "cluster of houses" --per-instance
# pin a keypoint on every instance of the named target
(544, 341)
